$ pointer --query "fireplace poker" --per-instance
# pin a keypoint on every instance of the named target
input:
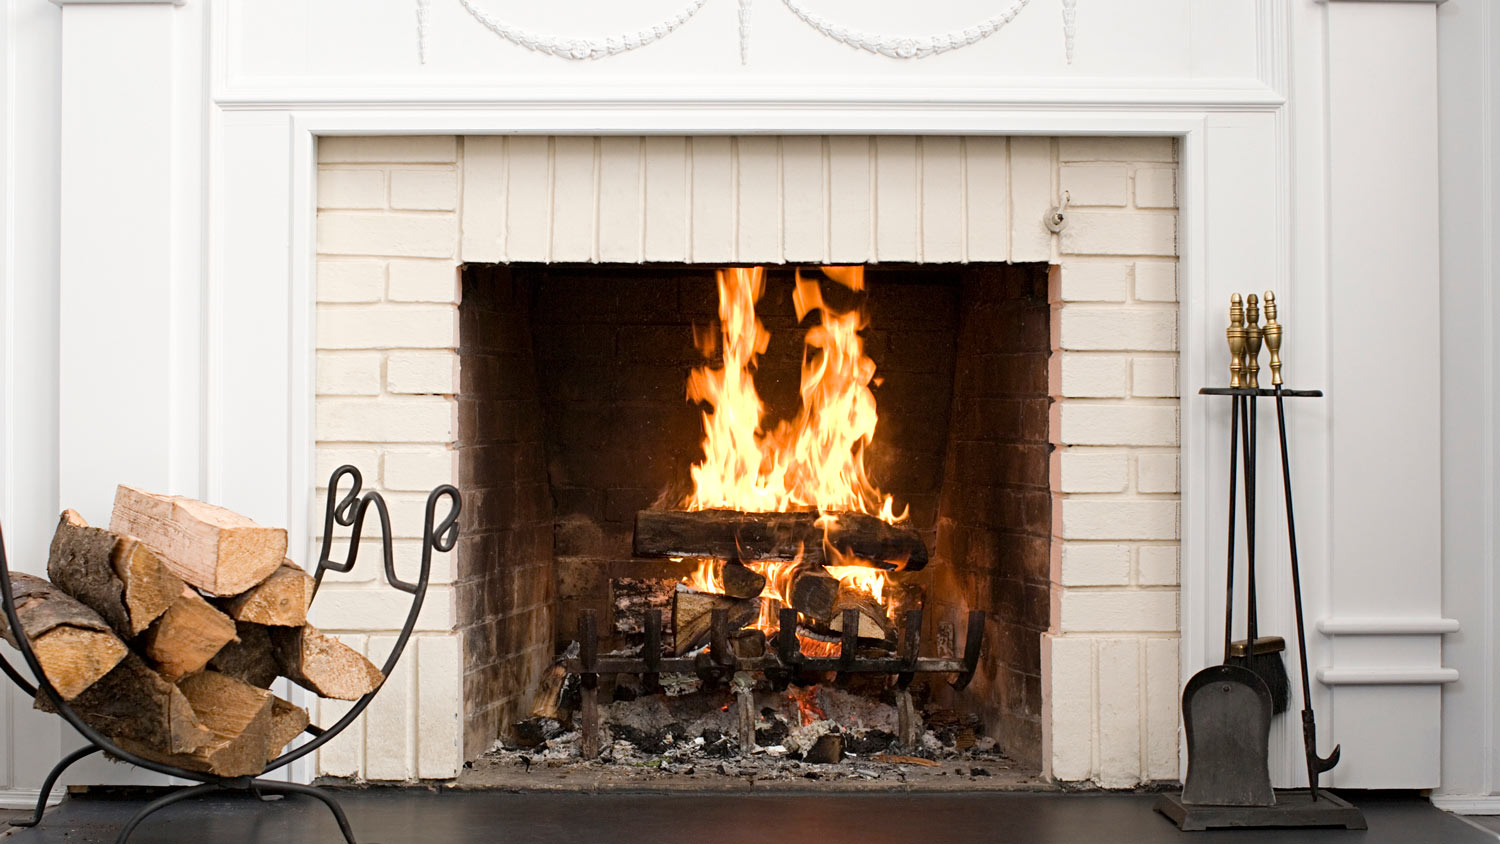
(1315, 764)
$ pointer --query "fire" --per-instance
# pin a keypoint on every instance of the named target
(814, 461)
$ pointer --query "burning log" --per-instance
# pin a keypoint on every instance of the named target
(732, 535)
(740, 582)
(814, 592)
(692, 611)
(873, 622)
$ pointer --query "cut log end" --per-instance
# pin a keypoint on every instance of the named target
(216, 550)
(323, 664)
(187, 635)
(280, 600)
(692, 616)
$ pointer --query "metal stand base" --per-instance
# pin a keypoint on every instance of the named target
(1292, 809)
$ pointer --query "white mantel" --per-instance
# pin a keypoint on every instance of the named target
(175, 349)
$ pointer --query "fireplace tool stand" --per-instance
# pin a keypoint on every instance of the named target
(1230, 706)
(349, 511)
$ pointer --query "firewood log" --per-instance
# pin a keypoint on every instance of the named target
(729, 534)
(118, 577)
(323, 664)
(133, 703)
(280, 600)
(186, 636)
(216, 550)
(814, 593)
(237, 715)
(740, 581)
(287, 722)
(873, 623)
(692, 616)
(250, 657)
(74, 645)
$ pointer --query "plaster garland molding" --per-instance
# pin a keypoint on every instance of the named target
(1070, 26)
(744, 32)
(908, 47)
(422, 9)
(579, 49)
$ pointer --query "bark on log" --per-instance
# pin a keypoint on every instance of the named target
(217, 550)
(116, 576)
(729, 534)
(280, 600)
(287, 722)
(186, 636)
(692, 616)
(251, 658)
(323, 664)
(74, 645)
(238, 717)
(740, 581)
(133, 703)
(814, 593)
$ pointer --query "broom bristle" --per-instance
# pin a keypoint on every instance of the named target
(1272, 671)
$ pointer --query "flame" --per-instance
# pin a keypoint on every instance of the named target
(706, 578)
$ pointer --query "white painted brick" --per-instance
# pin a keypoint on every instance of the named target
(439, 707)
(1156, 281)
(344, 755)
(1155, 187)
(424, 190)
(1154, 377)
(1095, 564)
(423, 281)
(348, 373)
(1119, 233)
(388, 750)
(430, 373)
(1156, 472)
(1091, 471)
(387, 327)
(368, 566)
(1093, 376)
(396, 149)
(1156, 565)
(379, 607)
(1117, 424)
(1116, 149)
(388, 420)
(1068, 672)
(350, 281)
(1119, 611)
(1119, 713)
(1152, 329)
(404, 235)
(419, 469)
(1161, 709)
(351, 188)
(1092, 518)
(1095, 281)
(1096, 184)
(330, 457)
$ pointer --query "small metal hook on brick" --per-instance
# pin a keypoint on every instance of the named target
(1056, 219)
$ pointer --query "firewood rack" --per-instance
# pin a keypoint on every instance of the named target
(349, 511)
(780, 664)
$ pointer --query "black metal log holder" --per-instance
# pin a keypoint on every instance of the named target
(781, 664)
(349, 511)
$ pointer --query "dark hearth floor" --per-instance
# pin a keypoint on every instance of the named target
(397, 816)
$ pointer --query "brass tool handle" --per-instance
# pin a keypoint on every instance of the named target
(1272, 334)
(1252, 342)
(1236, 335)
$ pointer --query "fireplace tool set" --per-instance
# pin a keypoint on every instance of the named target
(1227, 708)
(349, 511)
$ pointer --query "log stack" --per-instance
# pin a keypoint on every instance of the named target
(165, 631)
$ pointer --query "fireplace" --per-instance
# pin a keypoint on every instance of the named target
(1027, 399)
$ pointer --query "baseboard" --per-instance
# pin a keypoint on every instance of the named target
(25, 798)
(1468, 804)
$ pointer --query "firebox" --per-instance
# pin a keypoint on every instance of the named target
(895, 416)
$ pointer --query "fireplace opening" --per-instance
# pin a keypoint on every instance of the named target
(575, 419)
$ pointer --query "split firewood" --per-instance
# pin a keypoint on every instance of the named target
(249, 657)
(323, 664)
(873, 623)
(748, 643)
(134, 703)
(740, 581)
(116, 576)
(187, 635)
(280, 600)
(814, 592)
(692, 616)
(74, 645)
(552, 696)
(287, 722)
(214, 549)
(237, 715)
(729, 534)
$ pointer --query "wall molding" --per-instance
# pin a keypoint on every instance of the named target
(25, 798)
(1387, 626)
(1386, 676)
(1468, 804)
